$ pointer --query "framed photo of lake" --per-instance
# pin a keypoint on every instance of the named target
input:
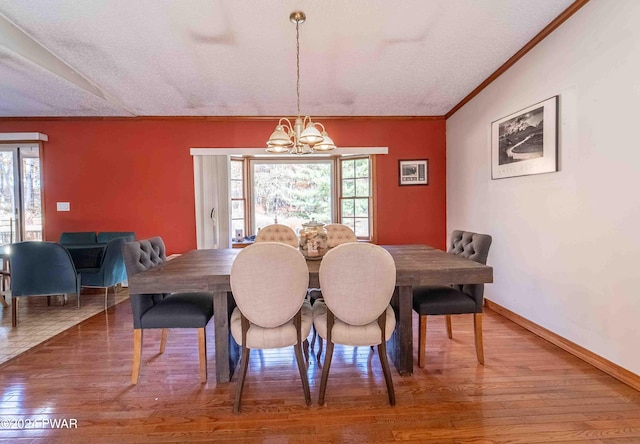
(413, 172)
(526, 142)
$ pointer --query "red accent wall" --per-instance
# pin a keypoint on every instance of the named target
(137, 174)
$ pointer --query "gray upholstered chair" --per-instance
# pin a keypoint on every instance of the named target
(41, 269)
(269, 282)
(278, 233)
(110, 272)
(454, 299)
(357, 281)
(163, 311)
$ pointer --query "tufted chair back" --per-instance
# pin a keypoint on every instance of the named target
(472, 246)
(140, 256)
(278, 233)
(339, 234)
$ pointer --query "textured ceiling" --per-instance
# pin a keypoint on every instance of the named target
(237, 57)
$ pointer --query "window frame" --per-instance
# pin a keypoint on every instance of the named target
(243, 199)
(336, 186)
(369, 197)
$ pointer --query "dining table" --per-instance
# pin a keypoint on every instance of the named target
(210, 270)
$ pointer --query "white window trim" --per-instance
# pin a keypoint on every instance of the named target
(356, 151)
(210, 189)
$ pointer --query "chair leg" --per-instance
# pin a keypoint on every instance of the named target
(305, 349)
(477, 326)
(325, 371)
(319, 348)
(449, 330)
(422, 340)
(244, 362)
(202, 348)
(384, 362)
(163, 339)
(302, 368)
(137, 354)
(106, 294)
(14, 311)
(313, 337)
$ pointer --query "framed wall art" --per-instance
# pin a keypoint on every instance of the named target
(413, 172)
(526, 142)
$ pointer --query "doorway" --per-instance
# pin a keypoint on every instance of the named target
(20, 193)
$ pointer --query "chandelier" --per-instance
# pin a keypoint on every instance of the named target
(303, 137)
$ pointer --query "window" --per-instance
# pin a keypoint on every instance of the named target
(238, 197)
(355, 195)
(292, 191)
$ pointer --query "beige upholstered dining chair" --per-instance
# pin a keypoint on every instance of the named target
(337, 234)
(357, 281)
(278, 233)
(269, 282)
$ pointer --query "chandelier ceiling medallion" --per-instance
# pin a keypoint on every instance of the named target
(303, 137)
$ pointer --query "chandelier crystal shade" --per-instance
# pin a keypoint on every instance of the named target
(303, 136)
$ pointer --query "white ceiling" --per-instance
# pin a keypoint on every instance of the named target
(237, 57)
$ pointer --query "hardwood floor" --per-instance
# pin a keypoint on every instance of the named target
(529, 391)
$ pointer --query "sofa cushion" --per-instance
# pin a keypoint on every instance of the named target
(106, 236)
(78, 237)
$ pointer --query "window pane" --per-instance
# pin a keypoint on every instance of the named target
(294, 193)
(349, 222)
(348, 208)
(362, 207)
(236, 189)
(348, 169)
(362, 187)
(348, 188)
(237, 225)
(362, 227)
(236, 169)
(362, 168)
(237, 209)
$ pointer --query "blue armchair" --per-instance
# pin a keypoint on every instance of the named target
(41, 269)
(110, 272)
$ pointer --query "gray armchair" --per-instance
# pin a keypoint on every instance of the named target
(41, 269)
(454, 299)
(163, 311)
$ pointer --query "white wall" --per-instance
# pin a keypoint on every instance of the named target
(566, 245)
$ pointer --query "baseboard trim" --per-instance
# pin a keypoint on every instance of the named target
(621, 374)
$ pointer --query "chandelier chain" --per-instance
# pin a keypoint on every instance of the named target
(298, 64)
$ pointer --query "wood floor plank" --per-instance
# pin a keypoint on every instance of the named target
(528, 391)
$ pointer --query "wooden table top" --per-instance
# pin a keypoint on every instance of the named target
(209, 270)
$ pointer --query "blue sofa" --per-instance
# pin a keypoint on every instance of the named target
(87, 247)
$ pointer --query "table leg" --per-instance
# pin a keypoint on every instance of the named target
(226, 348)
(401, 343)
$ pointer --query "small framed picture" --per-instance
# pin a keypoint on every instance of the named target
(413, 172)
